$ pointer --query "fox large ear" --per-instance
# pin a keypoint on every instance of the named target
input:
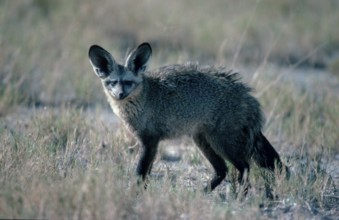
(137, 60)
(101, 61)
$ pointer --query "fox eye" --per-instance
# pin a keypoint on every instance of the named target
(128, 83)
(111, 83)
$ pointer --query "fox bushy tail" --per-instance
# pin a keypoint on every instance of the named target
(266, 156)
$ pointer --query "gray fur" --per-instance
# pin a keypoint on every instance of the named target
(209, 104)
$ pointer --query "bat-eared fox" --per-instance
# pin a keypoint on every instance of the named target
(208, 104)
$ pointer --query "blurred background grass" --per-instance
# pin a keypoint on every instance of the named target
(44, 43)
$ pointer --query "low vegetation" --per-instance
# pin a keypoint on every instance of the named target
(64, 155)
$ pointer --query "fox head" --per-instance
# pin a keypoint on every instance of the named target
(120, 80)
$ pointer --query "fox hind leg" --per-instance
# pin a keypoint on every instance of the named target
(235, 154)
(244, 169)
(217, 162)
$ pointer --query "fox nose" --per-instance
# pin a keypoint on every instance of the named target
(121, 95)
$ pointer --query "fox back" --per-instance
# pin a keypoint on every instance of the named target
(209, 104)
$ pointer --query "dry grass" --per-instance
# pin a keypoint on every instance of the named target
(64, 156)
(51, 168)
(44, 43)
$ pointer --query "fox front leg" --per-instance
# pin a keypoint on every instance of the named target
(148, 149)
